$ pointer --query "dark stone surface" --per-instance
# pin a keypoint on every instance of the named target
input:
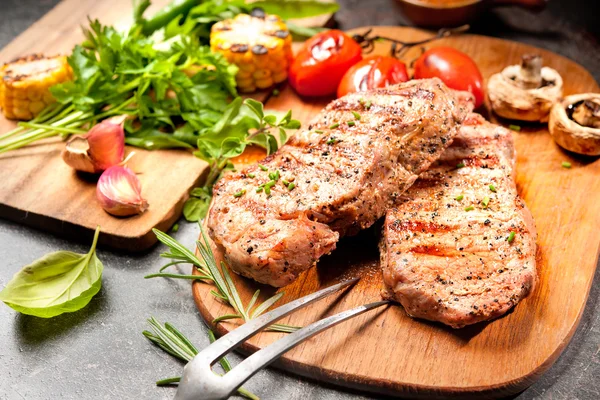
(99, 352)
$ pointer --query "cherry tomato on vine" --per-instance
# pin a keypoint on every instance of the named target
(455, 68)
(372, 72)
(321, 63)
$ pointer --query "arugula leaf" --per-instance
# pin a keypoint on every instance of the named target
(296, 8)
(59, 282)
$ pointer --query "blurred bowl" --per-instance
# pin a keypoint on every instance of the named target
(448, 13)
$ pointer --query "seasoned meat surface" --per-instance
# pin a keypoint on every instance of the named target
(448, 257)
(274, 220)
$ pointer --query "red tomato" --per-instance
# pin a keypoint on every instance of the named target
(456, 69)
(372, 72)
(322, 62)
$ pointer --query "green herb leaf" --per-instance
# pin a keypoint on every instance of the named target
(566, 164)
(59, 282)
(296, 8)
(459, 197)
(493, 188)
(469, 208)
(256, 107)
(195, 208)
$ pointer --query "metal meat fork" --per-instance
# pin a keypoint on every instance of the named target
(198, 380)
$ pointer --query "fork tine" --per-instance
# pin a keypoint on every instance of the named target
(257, 361)
(236, 337)
(198, 377)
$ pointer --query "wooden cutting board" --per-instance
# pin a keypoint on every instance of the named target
(384, 351)
(38, 189)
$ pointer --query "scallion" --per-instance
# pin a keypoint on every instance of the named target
(511, 237)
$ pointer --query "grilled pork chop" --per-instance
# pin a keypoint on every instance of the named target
(444, 261)
(361, 153)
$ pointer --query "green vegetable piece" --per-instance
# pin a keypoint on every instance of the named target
(252, 176)
(356, 115)
(333, 126)
(175, 228)
(469, 208)
(493, 188)
(460, 165)
(274, 175)
(351, 123)
(297, 8)
(59, 282)
(333, 140)
(259, 189)
(368, 104)
(275, 92)
(459, 197)
(240, 193)
(511, 237)
(516, 128)
(262, 167)
(302, 32)
(485, 201)
(566, 164)
(166, 14)
(291, 186)
(318, 131)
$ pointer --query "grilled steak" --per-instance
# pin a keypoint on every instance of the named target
(346, 170)
(444, 261)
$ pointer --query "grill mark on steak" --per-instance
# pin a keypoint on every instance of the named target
(445, 264)
(345, 177)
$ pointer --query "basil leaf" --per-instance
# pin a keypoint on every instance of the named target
(296, 8)
(59, 282)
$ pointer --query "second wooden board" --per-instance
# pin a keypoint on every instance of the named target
(385, 351)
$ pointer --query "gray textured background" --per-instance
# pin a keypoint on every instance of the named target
(99, 352)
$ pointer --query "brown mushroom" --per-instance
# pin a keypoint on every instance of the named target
(575, 123)
(525, 92)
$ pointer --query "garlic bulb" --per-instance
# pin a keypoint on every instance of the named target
(102, 147)
(119, 191)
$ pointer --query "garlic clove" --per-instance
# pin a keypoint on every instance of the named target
(119, 192)
(102, 147)
(76, 155)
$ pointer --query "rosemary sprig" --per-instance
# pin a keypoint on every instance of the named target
(209, 272)
(172, 341)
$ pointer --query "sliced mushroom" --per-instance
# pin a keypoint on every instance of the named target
(575, 123)
(525, 92)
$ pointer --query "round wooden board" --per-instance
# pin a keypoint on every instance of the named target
(385, 351)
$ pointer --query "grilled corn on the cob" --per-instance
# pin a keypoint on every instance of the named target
(259, 44)
(24, 84)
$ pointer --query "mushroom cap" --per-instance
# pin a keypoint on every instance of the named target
(568, 133)
(511, 101)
